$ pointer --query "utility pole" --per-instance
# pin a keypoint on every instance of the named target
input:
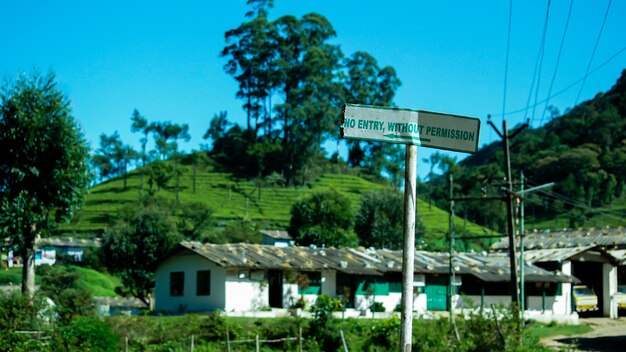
(521, 195)
(521, 245)
(451, 249)
(506, 137)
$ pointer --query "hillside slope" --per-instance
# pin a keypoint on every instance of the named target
(233, 199)
(582, 151)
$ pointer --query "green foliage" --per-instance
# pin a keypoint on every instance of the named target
(237, 232)
(195, 219)
(293, 58)
(43, 168)
(113, 157)
(380, 218)
(583, 151)
(61, 284)
(19, 313)
(324, 218)
(133, 247)
(87, 334)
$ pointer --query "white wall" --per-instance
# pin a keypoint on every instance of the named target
(609, 289)
(246, 295)
(565, 300)
(190, 264)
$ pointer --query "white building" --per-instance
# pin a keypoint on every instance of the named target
(244, 277)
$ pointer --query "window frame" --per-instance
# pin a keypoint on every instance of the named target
(207, 283)
(177, 278)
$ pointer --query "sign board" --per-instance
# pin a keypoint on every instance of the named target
(405, 126)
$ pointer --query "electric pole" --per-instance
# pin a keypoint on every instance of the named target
(506, 137)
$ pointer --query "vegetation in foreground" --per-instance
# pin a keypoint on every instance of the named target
(72, 327)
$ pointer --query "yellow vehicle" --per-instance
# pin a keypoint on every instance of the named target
(620, 297)
(585, 299)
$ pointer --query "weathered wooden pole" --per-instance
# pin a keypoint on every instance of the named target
(408, 253)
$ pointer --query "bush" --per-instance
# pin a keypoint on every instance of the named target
(17, 313)
(88, 335)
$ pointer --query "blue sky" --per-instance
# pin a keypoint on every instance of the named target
(162, 57)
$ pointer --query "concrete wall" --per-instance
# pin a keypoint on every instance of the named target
(245, 294)
(190, 264)
(609, 289)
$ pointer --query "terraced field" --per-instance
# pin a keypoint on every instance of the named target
(235, 199)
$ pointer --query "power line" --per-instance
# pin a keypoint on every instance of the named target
(593, 52)
(537, 64)
(571, 85)
(577, 204)
(558, 59)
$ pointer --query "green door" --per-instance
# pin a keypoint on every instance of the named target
(436, 293)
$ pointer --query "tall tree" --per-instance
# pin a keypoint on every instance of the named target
(166, 136)
(310, 88)
(251, 53)
(133, 247)
(114, 157)
(369, 84)
(140, 124)
(43, 164)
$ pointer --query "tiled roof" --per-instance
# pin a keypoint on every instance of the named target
(604, 237)
(488, 267)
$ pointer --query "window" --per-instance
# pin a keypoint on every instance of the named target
(177, 283)
(203, 283)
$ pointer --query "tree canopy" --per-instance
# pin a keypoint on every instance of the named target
(583, 151)
(43, 164)
(292, 61)
(380, 218)
(325, 218)
(133, 247)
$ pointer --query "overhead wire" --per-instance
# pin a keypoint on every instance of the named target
(616, 215)
(571, 85)
(539, 58)
(593, 52)
(558, 59)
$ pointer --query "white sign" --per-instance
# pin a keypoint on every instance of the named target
(423, 128)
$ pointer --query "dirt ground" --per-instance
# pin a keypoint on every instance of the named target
(607, 335)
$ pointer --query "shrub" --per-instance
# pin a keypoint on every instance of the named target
(87, 334)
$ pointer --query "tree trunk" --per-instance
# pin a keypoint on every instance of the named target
(28, 260)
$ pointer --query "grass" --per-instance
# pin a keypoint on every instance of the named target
(13, 276)
(234, 199)
(544, 330)
(100, 284)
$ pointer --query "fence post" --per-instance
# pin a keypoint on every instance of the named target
(227, 340)
(126, 344)
(300, 339)
(191, 346)
(256, 338)
(343, 340)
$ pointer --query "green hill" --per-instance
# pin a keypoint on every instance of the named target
(233, 199)
(583, 152)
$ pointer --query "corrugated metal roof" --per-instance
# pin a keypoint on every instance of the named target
(277, 234)
(489, 267)
(556, 254)
(68, 242)
(568, 238)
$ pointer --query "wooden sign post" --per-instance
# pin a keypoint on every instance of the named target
(413, 128)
